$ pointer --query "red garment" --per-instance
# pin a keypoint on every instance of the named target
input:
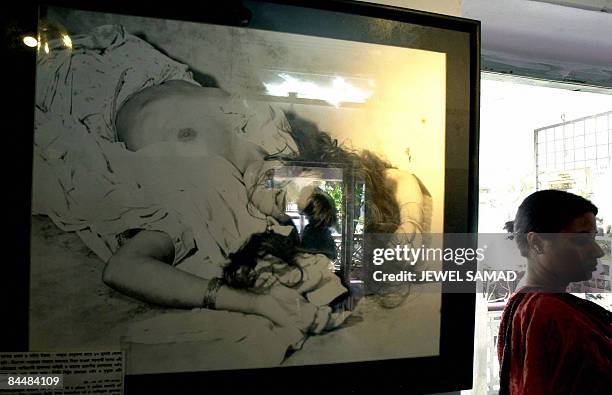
(560, 344)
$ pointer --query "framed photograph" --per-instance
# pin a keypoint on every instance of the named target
(205, 180)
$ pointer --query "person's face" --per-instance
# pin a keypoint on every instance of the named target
(572, 254)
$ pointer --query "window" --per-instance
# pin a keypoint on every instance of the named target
(537, 137)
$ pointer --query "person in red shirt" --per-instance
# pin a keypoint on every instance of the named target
(552, 342)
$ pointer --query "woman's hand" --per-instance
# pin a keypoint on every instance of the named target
(287, 308)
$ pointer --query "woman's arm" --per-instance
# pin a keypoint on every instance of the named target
(142, 269)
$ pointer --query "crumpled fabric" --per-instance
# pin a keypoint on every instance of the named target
(80, 177)
(203, 339)
(78, 93)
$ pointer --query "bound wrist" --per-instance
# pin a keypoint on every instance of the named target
(209, 299)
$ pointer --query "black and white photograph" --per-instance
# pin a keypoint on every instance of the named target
(307, 197)
(201, 192)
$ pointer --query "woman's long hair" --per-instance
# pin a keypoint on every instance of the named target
(314, 145)
(240, 272)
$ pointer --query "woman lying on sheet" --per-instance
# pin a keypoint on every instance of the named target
(162, 178)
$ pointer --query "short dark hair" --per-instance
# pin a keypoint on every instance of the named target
(546, 211)
(321, 210)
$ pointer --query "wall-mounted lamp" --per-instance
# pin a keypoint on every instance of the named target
(30, 41)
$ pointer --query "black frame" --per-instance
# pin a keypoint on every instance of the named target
(451, 370)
